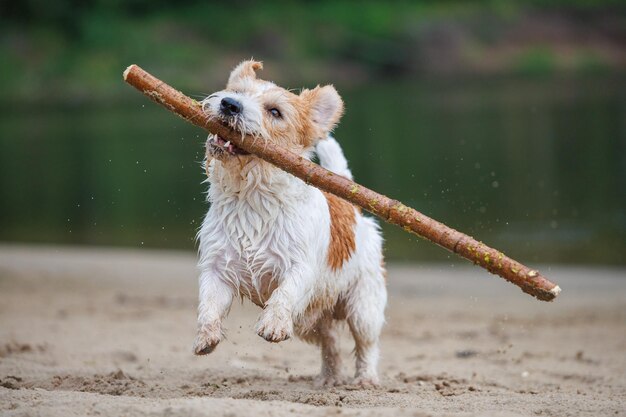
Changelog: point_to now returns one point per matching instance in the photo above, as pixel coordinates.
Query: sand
(109, 332)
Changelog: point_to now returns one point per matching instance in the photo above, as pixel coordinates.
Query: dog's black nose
(230, 107)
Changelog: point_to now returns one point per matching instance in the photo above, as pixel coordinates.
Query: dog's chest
(259, 231)
(259, 245)
(254, 231)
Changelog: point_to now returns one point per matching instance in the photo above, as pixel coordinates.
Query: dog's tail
(331, 157)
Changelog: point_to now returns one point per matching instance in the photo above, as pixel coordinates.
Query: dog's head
(263, 109)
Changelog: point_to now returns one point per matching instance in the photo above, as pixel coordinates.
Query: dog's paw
(366, 382)
(207, 338)
(327, 381)
(274, 326)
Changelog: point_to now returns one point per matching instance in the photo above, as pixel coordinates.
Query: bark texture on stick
(392, 211)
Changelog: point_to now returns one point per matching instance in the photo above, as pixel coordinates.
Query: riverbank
(109, 332)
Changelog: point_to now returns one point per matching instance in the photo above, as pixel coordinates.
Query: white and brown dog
(308, 258)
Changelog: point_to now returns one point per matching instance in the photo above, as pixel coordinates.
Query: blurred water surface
(533, 166)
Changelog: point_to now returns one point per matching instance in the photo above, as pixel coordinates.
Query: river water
(534, 167)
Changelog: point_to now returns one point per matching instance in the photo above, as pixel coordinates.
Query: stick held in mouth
(392, 211)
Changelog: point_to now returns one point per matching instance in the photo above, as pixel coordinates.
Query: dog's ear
(325, 106)
(246, 69)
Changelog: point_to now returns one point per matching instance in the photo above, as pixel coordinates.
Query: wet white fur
(266, 237)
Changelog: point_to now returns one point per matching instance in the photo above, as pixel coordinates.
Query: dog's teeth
(227, 144)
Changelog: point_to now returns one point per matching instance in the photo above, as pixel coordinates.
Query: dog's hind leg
(216, 297)
(320, 328)
(331, 359)
(366, 316)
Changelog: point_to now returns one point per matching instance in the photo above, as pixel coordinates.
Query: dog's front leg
(216, 296)
(288, 300)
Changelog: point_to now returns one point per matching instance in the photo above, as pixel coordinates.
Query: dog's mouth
(218, 145)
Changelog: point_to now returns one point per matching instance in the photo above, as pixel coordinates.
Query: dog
(309, 259)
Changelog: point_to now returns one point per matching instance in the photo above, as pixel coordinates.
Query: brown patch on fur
(342, 238)
(340, 311)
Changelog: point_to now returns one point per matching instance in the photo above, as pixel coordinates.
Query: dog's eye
(275, 112)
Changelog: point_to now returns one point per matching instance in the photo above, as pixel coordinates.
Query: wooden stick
(392, 211)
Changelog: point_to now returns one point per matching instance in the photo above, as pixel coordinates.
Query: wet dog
(309, 259)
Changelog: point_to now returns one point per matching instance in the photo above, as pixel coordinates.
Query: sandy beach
(109, 332)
